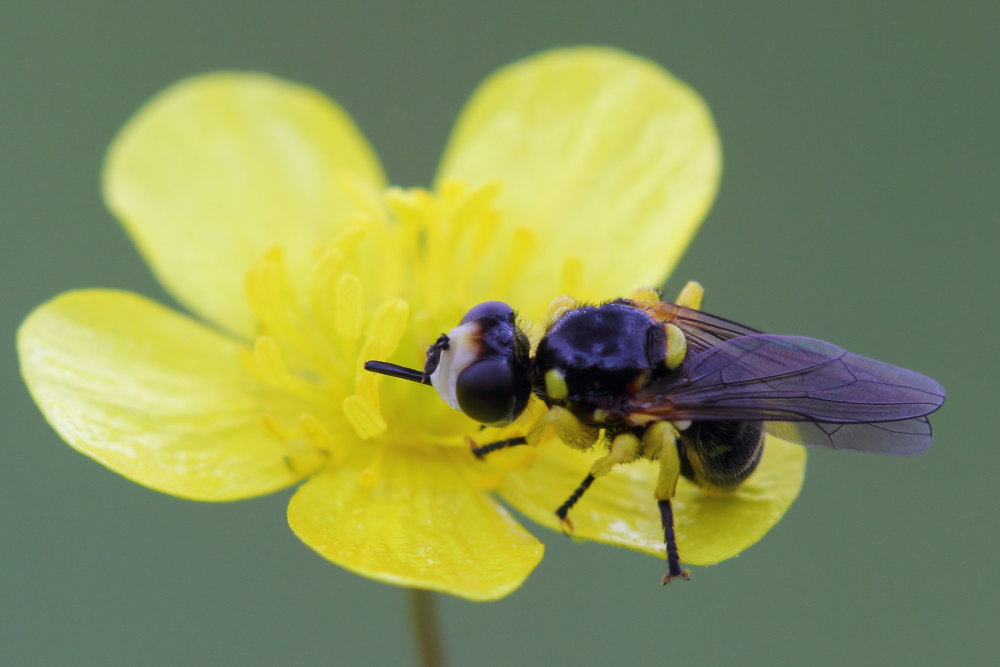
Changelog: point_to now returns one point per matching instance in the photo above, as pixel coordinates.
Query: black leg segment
(482, 450)
(564, 509)
(673, 558)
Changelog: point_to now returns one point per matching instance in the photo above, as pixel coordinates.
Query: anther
(271, 426)
(691, 295)
(371, 476)
(363, 417)
(572, 275)
(269, 363)
(359, 191)
(559, 307)
(521, 249)
(473, 203)
(645, 293)
(348, 306)
(317, 434)
(352, 231)
(387, 325)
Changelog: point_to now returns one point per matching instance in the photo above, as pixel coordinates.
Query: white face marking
(464, 347)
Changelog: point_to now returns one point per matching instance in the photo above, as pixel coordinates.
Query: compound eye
(486, 393)
(488, 309)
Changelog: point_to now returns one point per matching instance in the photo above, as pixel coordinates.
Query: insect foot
(684, 574)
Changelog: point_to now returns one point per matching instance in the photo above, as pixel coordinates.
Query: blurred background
(859, 204)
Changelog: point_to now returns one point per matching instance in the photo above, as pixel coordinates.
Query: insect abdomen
(720, 454)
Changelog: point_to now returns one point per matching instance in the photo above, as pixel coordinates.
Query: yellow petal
(218, 168)
(421, 524)
(153, 395)
(604, 155)
(620, 509)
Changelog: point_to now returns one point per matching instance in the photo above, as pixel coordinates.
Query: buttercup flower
(262, 209)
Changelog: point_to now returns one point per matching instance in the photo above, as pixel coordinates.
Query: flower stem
(424, 625)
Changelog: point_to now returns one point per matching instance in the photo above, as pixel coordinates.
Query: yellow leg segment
(664, 436)
(624, 449)
(568, 428)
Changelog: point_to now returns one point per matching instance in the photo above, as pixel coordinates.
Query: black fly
(664, 382)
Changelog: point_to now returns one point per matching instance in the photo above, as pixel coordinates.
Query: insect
(670, 383)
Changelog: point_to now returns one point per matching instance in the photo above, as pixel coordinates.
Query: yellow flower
(262, 209)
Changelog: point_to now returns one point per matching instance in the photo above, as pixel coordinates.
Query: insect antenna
(393, 370)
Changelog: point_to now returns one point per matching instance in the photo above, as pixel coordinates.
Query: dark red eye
(486, 391)
(488, 309)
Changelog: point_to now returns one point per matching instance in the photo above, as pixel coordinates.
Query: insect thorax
(604, 354)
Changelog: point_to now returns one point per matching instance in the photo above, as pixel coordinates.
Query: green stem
(424, 625)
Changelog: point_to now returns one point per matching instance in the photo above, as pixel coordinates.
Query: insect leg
(664, 436)
(624, 449)
(570, 430)
(480, 451)
(674, 569)
(563, 510)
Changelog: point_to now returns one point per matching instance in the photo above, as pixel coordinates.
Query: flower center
(395, 277)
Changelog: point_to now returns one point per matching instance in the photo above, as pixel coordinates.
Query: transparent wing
(907, 437)
(833, 397)
(703, 330)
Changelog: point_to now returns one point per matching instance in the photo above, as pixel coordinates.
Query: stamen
(279, 311)
(359, 192)
(691, 295)
(521, 248)
(366, 383)
(645, 293)
(321, 290)
(303, 457)
(387, 326)
(271, 426)
(364, 418)
(408, 206)
(269, 363)
(474, 205)
(558, 307)
(371, 476)
(269, 366)
(572, 275)
(482, 235)
(321, 439)
(450, 192)
(348, 306)
(351, 232)
(263, 291)
(414, 210)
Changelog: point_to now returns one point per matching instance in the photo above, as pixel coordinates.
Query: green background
(859, 204)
